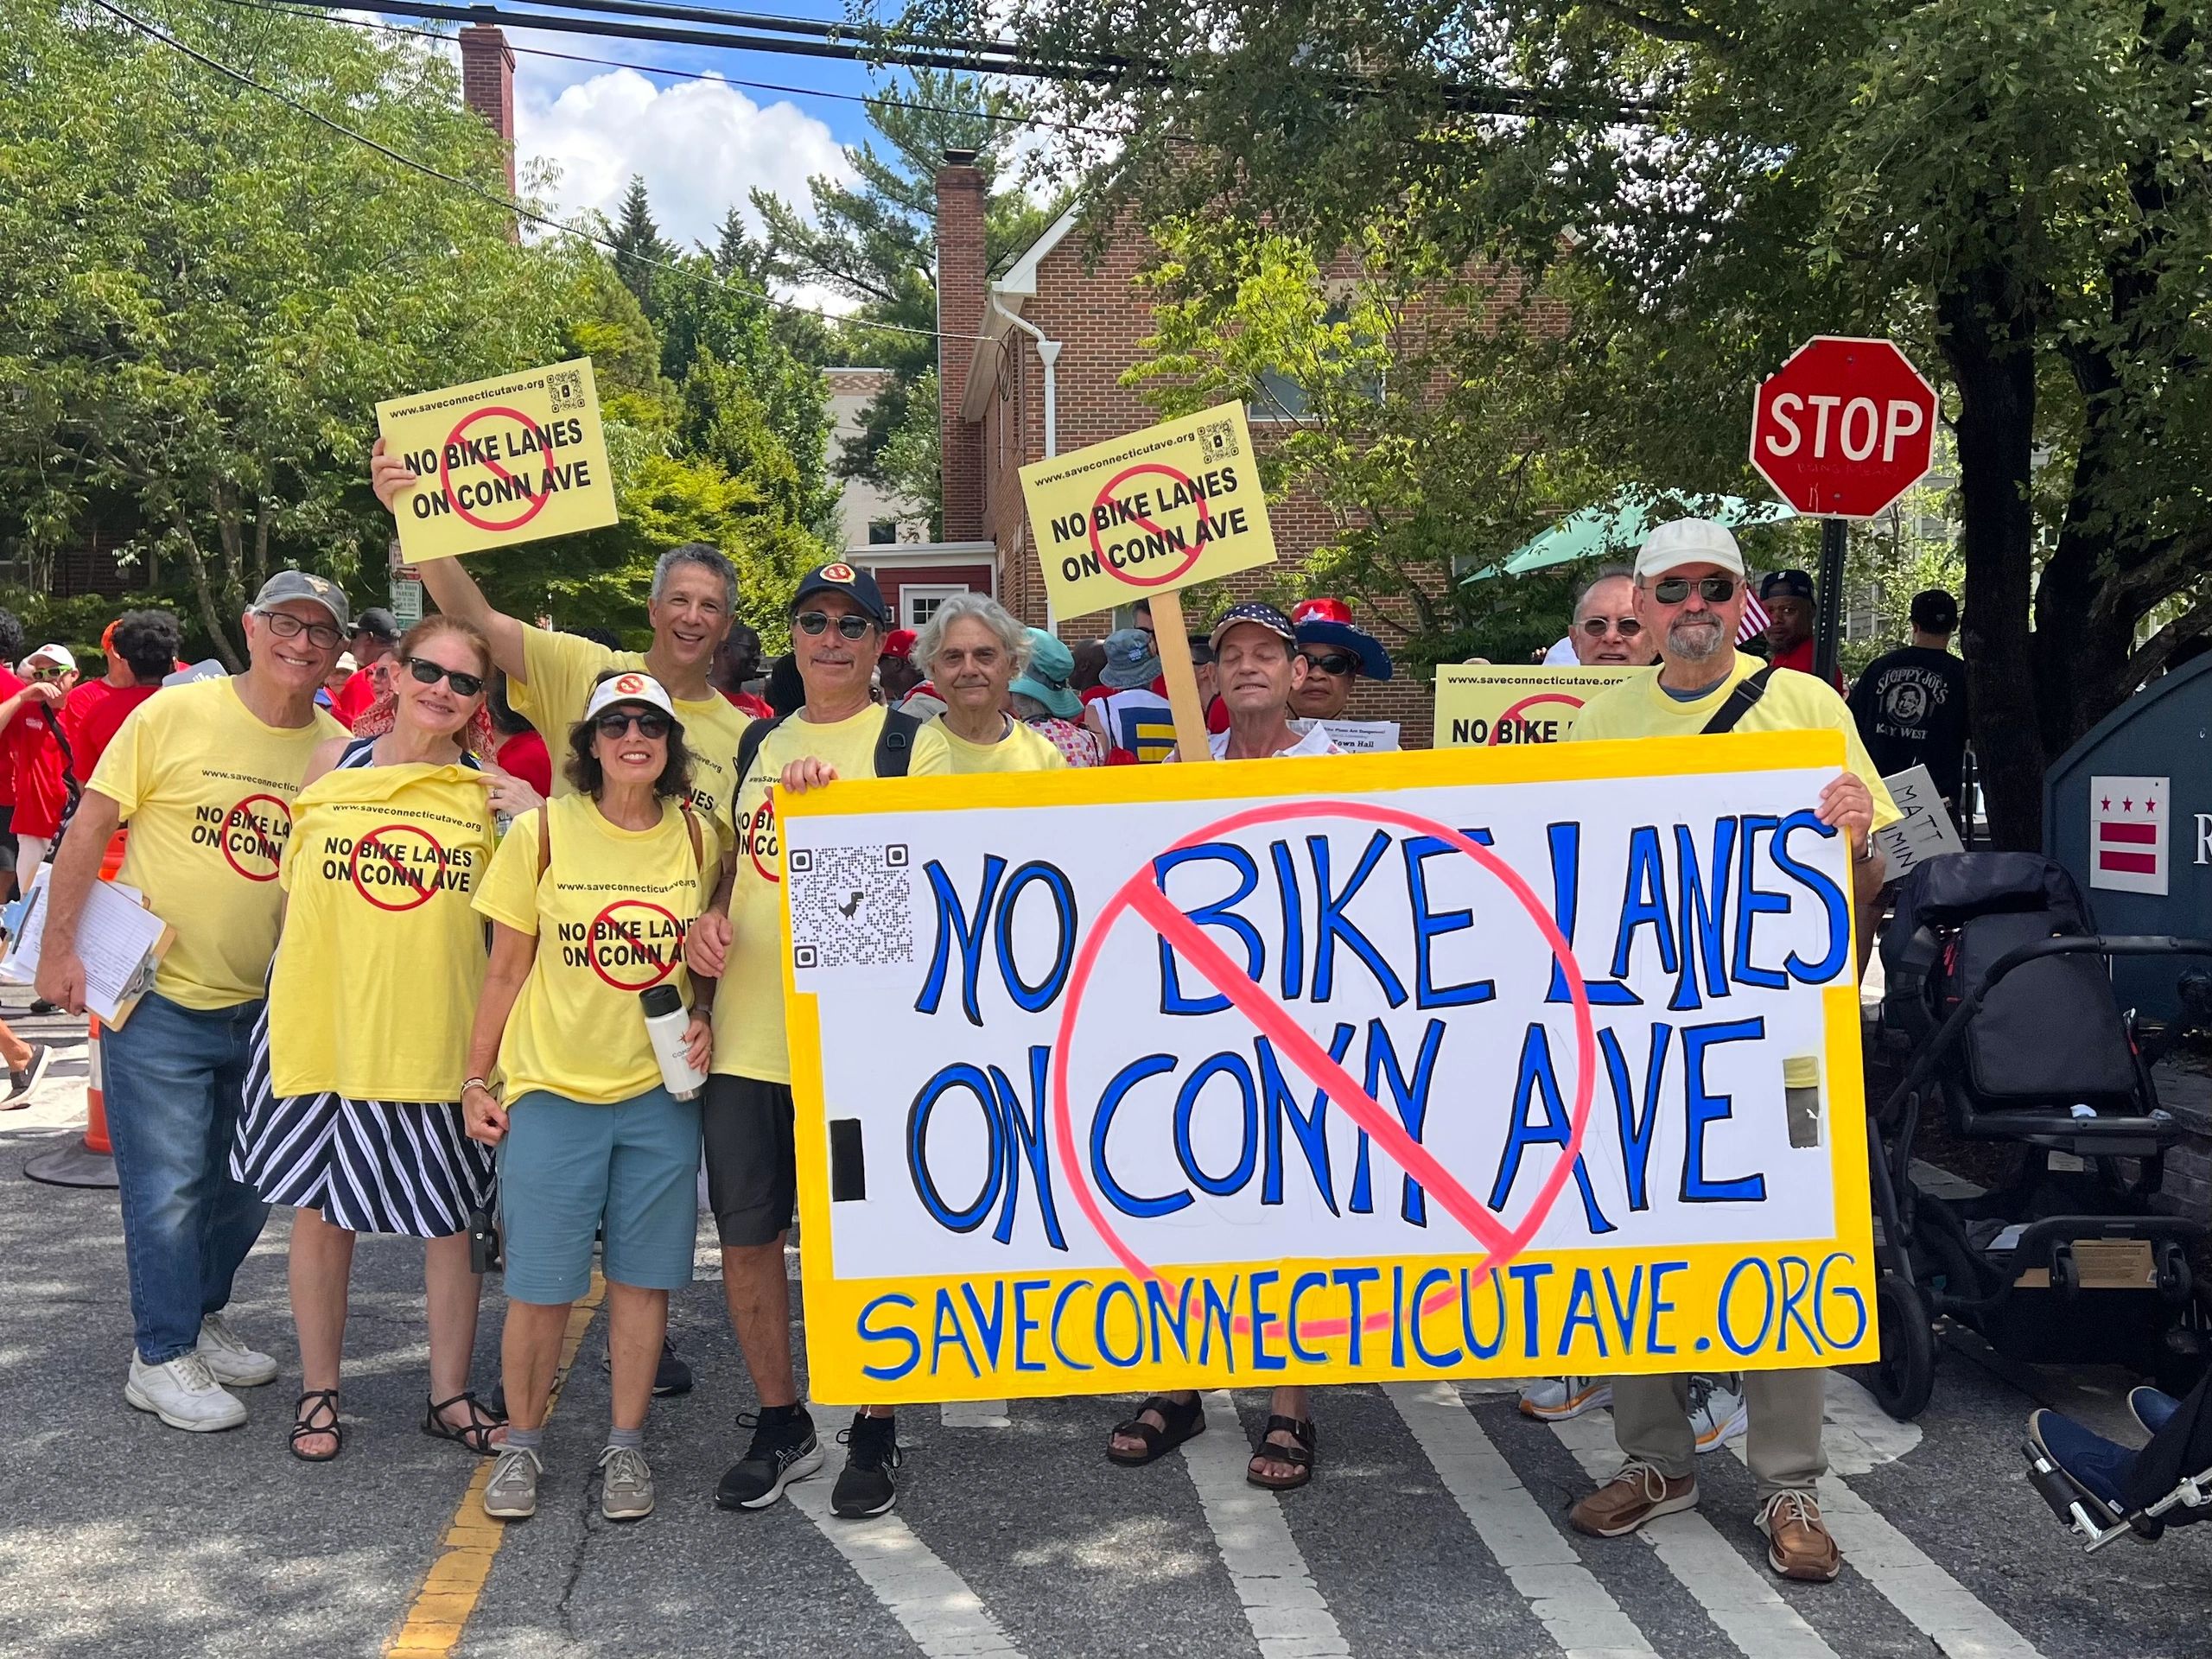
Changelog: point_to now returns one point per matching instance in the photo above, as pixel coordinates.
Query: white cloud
(701, 146)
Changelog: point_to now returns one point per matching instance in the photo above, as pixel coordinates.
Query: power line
(155, 32)
(873, 99)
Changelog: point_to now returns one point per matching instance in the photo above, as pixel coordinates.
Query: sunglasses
(1673, 590)
(285, 626)
(1337, 663)
(615, 723)
(817, 622)
(427, 672)
(1627, 627)
(49, 672)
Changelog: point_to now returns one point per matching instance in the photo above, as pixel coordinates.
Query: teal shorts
(569, 1171)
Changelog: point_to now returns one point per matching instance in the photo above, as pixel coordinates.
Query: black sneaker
(864, 1487)
(781, 1453)
(22, 1079)
(673, 1376)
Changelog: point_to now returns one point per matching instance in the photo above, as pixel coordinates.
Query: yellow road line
(450, 1589)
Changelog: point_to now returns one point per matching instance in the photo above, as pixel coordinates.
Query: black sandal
(1300, 1457)
(1185, 1420)
(325, 1399)
(475, 1433)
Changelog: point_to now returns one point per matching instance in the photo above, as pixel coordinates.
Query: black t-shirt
(1911, 709)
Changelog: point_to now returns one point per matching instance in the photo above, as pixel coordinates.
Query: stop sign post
(1841, 431)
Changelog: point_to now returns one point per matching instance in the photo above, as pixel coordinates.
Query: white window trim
(908, 595)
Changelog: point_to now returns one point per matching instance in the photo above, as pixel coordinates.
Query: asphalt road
(1436, 1525)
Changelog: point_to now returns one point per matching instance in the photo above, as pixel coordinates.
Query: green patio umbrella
(1617, 526)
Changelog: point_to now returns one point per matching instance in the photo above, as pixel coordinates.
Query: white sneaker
(230, 1360)
(1555, 1399)
(1718, 1413)
(183, 1394)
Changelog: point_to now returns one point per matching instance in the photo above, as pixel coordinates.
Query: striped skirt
(369, 1165)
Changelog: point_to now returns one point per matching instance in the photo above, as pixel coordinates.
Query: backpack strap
(895, 744)
(692, 823)
(749, 749)
(1747, 692)
(544, 839)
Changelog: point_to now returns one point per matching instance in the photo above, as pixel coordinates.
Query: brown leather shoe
(1799, 1544)
(1629, 1499)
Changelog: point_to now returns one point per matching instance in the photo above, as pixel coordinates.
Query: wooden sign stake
(1172, 637)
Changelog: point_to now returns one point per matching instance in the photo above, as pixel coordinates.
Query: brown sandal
(1300, 1457)
(325, 1399)
(475, 1433)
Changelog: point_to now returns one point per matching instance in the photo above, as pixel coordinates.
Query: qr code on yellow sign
(1218, 441)
(851, 908)
(564, 390)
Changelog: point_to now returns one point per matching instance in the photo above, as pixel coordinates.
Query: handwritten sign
(1926, 831)
(1328, 1070)
(1150, 513)
(1478, 705)
(515, 459)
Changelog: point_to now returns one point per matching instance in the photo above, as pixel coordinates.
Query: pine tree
(638, 243)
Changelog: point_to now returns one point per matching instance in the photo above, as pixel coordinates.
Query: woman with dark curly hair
(590, 901)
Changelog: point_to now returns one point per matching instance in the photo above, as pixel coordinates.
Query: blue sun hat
(1326, 624)
(1052, 665)
(1131, 660)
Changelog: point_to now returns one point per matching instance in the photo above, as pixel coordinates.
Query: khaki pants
(1651, 1421)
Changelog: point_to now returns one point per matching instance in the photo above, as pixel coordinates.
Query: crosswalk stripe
(1289, 1618)
(1735, 1595)
(974, 1413)
(1577, 1610)
(946, 1619)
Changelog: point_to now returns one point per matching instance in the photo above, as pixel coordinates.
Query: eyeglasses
(285, 626)
(1627, 627)
(429, 673)
(1673, 590)
(47, 672)
(849, 625)
(615, 723)
(1337, 663)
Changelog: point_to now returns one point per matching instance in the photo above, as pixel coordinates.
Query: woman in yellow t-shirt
(974, 650)
(351, 1109)
(590, 900)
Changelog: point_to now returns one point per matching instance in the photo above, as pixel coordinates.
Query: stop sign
(1845, 428)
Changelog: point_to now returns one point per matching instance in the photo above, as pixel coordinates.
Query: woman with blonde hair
(353, 1111)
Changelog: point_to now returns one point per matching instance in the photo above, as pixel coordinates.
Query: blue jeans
(174, 1078)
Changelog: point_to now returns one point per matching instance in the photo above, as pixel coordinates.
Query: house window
(882, 533)
(918, 605)
(1281, 398)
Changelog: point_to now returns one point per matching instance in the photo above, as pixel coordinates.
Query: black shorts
(752, 1167)
(7, 839)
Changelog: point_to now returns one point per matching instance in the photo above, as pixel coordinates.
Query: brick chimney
(960, 278)
(487, 84)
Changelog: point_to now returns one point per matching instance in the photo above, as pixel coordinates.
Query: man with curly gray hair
(973, 649)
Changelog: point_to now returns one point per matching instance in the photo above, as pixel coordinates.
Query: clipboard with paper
(120, 942)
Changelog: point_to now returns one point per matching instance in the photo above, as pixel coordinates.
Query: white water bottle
(666, 1021)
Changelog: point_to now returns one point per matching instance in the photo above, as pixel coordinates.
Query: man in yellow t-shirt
(973, 650)
(204, 774)
(838, 622)
(550, 675)
(1690, 598)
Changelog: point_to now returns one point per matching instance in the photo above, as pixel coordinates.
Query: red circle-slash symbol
(1190, 553)
(535, 503)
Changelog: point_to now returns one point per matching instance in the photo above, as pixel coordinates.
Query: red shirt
(42, 780)
(525, 755)
(92, 715)
(746, 703)
(1800, 657)
(10, 685)
(355, 696)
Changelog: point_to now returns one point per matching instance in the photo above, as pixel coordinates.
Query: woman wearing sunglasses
(589, 900)
(352, 1109)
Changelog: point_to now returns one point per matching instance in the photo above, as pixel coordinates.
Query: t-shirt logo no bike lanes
(251, 834)
(632, 945)
(762, 844)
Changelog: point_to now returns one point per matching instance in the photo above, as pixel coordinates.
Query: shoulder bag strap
(895, 744)
(1747, 692)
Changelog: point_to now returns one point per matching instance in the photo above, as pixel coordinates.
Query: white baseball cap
(58, 655)
(1688, 541)
(632, 685)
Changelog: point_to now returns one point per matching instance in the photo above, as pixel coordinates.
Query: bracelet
(467, 1083)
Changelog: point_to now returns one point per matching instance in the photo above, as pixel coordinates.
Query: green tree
(639, 245)
(203, 294)
(2019, 191)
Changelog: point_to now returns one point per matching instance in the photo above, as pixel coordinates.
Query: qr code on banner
(565, 390)
(851, 908)
(1217, 440)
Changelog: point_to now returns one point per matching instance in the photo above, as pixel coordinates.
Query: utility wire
(154, 31)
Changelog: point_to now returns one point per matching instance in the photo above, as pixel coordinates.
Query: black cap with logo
(839, 577)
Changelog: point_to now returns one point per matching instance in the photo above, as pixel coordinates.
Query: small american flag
(1755, 619)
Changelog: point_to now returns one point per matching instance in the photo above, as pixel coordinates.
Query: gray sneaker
(626, 1484)
(511, 1493)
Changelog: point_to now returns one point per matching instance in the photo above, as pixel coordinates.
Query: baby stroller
(1999, 993)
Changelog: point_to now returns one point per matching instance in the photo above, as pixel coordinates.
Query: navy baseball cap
(1786, 584)
(1935, 611)
(839, 577)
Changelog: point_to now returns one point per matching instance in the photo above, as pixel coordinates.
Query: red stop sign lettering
(1845, 428)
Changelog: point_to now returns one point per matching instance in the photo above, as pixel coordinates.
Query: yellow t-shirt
(559, 671)
(207, 791)
(609, 915)
(1020, 750)
(1639, 707)
(749, 1040)
(381, 964)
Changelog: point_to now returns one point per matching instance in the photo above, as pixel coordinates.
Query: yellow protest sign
(1148, 514)
(514, 459)
(1531, 1060)
(1480, 705)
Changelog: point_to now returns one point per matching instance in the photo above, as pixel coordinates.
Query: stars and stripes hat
(1252, 611)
